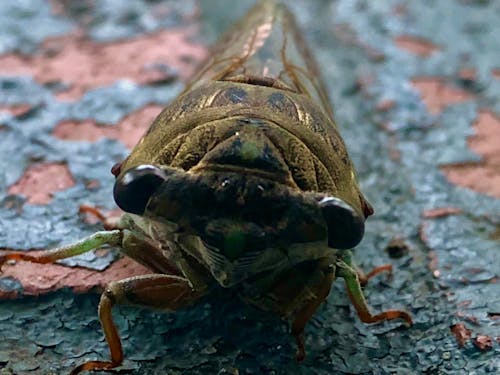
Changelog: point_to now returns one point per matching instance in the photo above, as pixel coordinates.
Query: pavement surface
(416, 89)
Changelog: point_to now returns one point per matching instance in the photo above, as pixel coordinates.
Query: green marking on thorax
(234, 243)
(250, 151)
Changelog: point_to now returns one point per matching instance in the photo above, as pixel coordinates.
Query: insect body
(243, 182)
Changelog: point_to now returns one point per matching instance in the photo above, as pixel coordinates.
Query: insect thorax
(246, 165)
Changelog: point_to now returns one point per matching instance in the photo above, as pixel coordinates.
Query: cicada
(242, 183)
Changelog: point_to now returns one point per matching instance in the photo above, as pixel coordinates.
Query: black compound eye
(345, 226)
(133, 190)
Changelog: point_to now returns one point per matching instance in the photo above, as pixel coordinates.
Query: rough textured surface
(482, 176)
(79, 65)
(399, 74)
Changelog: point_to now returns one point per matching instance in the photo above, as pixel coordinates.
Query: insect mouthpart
(229, 272)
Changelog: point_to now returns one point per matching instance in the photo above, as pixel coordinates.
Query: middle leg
(353, 285)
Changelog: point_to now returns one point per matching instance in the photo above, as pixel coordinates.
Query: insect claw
(407, 318)
(300, 354)
(109, 223)
(94, 366)
(364, 278)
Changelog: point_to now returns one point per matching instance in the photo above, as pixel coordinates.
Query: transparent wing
(265, 48)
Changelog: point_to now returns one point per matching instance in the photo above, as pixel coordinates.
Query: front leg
(296, 294)
(362, 276)
(134, 245)
(353, 285)
(321, 290)
(164, 292)
(95, 241)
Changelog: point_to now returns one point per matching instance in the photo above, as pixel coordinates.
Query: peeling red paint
(441, 212)
(93, 184)
(487, 128)
(437, 95)
(16, 109)
(468, 73)
(93, 215)
(129, 130)
(462, 333)
(38, 279)
(385, 105)
(40, 181)
(483, 342)
(484, 176)
(83, 64)
(416, 45)
(57, 7)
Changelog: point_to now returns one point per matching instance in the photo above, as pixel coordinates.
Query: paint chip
(129, 130)
(483, 176)
(462, 333)
(16, 110)
(385, 105)
(441, 212)
(437, 95)
(82, 64)
(418, 46)
(37, 279)
(40, 181)
(483, 342)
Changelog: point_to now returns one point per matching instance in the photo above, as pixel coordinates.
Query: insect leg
(357, 298)
(109, 223)
(321, 291)
(165, 292)
(146, 252)
(96, 240)
(364, 277)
